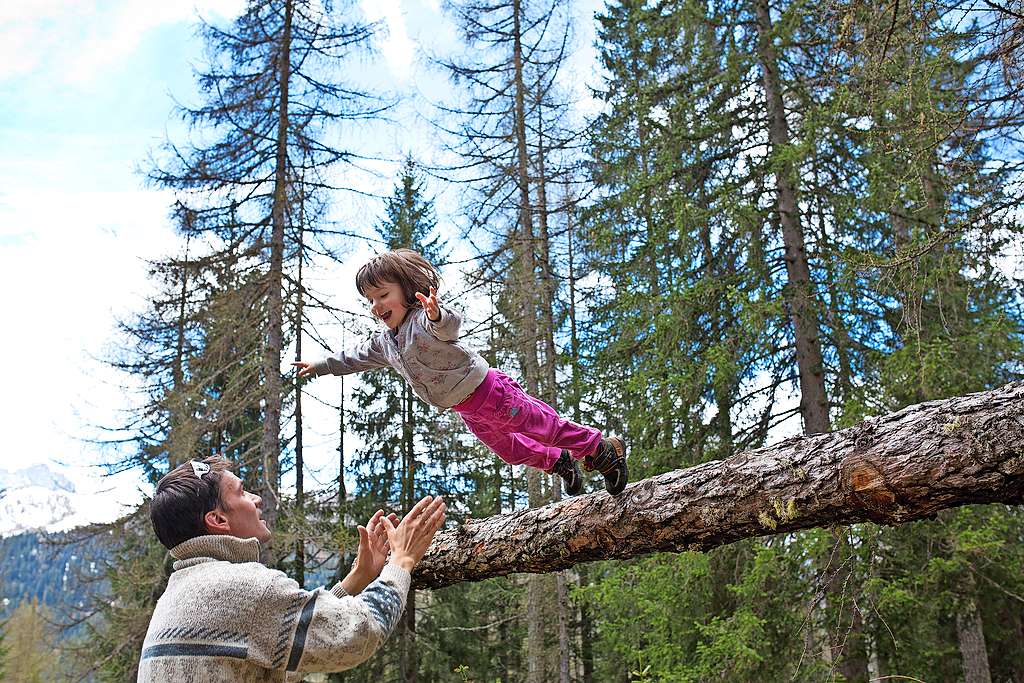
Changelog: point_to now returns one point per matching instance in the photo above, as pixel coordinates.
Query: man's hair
(182, 499)
(405, 267)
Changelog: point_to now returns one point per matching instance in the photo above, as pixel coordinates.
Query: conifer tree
(30, 644)
(272, 94)
(840, 175)
(514, 51)
(411, 449)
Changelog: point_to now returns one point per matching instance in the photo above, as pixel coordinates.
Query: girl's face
(387, 303)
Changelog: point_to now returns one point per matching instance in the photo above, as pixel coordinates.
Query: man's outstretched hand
(410, 539)
(371, 556)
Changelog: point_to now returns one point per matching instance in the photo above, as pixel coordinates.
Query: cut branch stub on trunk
(890, 470)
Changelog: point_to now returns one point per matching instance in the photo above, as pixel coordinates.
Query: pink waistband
(479, 395)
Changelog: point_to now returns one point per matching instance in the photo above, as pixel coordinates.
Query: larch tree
(273, 95)
(513, 52)
(30, 640)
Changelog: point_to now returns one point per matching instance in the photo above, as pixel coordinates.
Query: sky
(87, 91)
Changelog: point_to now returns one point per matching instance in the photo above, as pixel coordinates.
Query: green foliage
(676, 617)
(135, 571)
(908, 210)
(902, 213)
(29, 638)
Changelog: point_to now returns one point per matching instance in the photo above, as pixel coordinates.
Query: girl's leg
(538, 422)
(515, 449)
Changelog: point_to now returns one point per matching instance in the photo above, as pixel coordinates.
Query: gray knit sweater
(426, 353)
(225, 617)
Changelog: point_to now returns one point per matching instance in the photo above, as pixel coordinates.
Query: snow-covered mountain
(41, 498)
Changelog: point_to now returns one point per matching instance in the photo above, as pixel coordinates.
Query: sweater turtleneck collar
(215, 547)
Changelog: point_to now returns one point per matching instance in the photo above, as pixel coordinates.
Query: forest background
(701, 225)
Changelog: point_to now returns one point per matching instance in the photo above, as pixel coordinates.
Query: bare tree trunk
(175, 454)
(800, 298)
(535, 594)
(585, 626)
(889, 470)
(847, 635)
(408, 663)
(342, 495)
(971, 634)
(547, 312)
(527, 274)
(547, 280)
(269, 446)
(799, 293)
(1017, 624)
(300, 543)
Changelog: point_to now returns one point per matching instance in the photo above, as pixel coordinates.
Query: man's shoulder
(219, 579)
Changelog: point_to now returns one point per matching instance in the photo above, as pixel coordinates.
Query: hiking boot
(610, 460)
(569, 470)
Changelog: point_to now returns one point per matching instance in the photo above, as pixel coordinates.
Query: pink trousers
(521, 429)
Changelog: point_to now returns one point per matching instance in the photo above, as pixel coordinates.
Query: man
(226, 617)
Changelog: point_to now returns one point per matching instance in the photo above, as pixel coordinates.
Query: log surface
(891, 469)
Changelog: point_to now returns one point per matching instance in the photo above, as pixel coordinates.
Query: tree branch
(890, 470)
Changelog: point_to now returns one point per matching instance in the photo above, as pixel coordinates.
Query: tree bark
(300, 494)
(799, 291)
(342, 494)
(889, 470)
(971, 635)
(536, 593)
(270, 445)
(409, 659)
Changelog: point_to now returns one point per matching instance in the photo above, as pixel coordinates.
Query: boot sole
(619, 445)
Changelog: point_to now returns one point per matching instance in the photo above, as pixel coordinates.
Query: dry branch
(890, 470)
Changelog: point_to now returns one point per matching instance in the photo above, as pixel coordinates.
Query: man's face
(243, 510)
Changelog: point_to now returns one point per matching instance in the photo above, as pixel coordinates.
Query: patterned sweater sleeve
(366, 356)
(446, 328)
(328, 630)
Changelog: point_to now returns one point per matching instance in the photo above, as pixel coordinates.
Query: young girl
(421, 342)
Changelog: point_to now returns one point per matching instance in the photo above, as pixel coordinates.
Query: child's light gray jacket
(225, 617)
(427, 354)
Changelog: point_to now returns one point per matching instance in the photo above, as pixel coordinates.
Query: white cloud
(396, 47)
(76, 261)
(73, 42)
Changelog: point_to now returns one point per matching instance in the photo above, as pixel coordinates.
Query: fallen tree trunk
(889, 470)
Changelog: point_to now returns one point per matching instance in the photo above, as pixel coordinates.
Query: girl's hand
(305, 369)
(430, 305)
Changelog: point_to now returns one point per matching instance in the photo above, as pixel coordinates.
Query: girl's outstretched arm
(305, 369)
(441, 322)
(430, 305)
(366, 356)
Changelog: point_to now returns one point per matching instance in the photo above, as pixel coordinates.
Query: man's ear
(216, 522)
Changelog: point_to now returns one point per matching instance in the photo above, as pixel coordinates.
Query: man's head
(205, 497)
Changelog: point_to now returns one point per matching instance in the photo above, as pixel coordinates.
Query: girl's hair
(405, 267)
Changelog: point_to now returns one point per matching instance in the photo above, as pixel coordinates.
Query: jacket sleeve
(366, 356)
(445, 329)
(328, 630)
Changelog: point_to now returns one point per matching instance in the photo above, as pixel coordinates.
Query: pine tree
(514, 52)
(848, 225)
